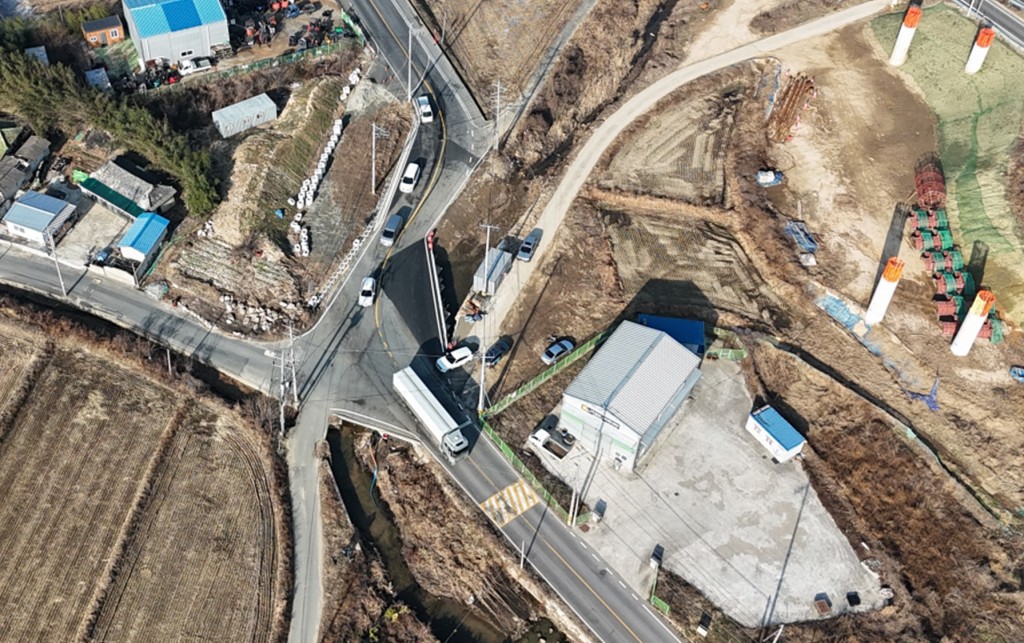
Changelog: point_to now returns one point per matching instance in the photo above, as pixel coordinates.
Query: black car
(497, 351)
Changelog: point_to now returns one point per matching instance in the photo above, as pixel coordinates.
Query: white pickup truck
(194, 66)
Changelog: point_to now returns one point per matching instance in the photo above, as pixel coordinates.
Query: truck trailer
(443, 430)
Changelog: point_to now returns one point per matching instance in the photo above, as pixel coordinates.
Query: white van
(391, 230)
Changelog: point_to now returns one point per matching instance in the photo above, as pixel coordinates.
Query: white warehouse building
(628, 392)
(175, 30)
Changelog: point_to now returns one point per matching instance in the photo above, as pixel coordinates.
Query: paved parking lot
(738, 527)
(96, 229)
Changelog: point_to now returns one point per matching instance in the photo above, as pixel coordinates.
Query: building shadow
(893, 238)
(672, 298)
(976, 264)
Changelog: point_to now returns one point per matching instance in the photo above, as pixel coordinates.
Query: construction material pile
(932, 238)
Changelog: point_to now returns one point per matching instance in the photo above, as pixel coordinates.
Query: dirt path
(591, 153)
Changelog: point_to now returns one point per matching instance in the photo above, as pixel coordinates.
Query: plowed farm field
(200, 544)
(132, 510)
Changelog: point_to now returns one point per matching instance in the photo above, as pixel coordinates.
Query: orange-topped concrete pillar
(907, 30)
(982, 43)
(975, 319)
(884, 291)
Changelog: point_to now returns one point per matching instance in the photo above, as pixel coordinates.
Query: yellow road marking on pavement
(510, 502)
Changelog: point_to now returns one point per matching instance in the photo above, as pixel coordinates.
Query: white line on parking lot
(595, 557)
(623, 584)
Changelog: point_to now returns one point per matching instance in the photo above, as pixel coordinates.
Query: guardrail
(373, 221)
(555, 369)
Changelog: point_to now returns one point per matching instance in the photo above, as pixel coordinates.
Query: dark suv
(497, 351)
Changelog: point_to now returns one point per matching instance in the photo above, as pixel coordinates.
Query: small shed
(688, 332)
(37, 217)
(9, 135)
(33, 152)
(38, 53)
(775, 433)
(488, 278)
(13, 176)
(142, 241)
(104, 31)
(99, 79)
(244, 115)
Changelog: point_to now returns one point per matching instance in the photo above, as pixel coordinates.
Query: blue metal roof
(144, 233)
(778, 427)
(688, 332)
(158, 17)
(35, 211)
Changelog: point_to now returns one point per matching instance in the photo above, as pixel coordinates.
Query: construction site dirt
(848, 159)
(173, 522)
(241, 270)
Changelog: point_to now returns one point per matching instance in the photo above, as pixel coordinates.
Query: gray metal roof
(137, 189)
(635, 375)
(33, 149)
(102, 24)
(251, 110)
(12, 177)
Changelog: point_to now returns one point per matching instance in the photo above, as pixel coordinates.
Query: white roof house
(628, 392)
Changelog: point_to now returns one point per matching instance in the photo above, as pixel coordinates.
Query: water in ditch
(448, 620)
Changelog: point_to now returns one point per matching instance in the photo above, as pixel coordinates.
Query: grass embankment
(979, 120)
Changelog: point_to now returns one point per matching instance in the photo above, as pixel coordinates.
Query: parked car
(412, 174)
(557, 351)
(194, 66)
(367, 292)
(454, 359)
(497, 351)
(529, 245)
(391, 230)
(426, 113)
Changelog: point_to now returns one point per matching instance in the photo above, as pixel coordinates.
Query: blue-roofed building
(688, 332)
(141, 243)
(775, 433)
(175, 30)
(37, 217)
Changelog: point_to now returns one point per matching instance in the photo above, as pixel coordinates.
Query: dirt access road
(591, 153)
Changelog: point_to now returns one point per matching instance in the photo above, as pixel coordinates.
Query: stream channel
(449, 621)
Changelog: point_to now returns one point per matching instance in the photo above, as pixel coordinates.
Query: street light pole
(56, 263)
(408, 76)
(483, 320)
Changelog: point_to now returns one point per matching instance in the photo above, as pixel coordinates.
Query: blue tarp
(688, 332)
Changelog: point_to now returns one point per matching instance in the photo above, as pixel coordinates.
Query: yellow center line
(586, 584)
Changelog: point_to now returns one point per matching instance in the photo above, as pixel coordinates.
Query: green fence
(555, 369)
(258, 65)
(527, 475)
(658, 604)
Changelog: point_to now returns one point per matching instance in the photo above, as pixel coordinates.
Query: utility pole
(483, 320)
(169, 372)
(497, 114)
(522, 555)
(53, 252)
(408, 76)
(383, 133)
(280, 401)
(291, 365)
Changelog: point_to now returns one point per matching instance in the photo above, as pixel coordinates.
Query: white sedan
(412, 174)
(426, 114)
(367, 292)
(454, 359)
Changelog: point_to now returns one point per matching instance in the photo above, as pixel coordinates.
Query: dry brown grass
(207, 527)
(70, 472)
(114, 454)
